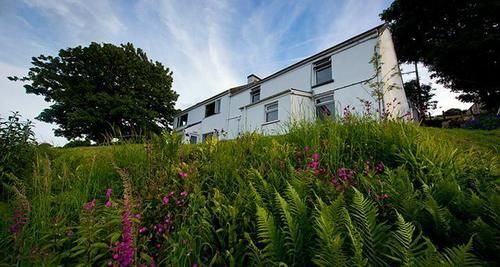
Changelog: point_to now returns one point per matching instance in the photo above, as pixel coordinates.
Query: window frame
(267, 111)
(180, 120)
(205, 136)
(330, 100)
(195, 139)
(255, 92)
(320, 65)
(216, 104)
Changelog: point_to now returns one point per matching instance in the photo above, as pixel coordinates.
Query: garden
(330, 193)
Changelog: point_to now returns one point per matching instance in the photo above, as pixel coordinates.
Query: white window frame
(255, 92)
(321, 65)
(271, 107)
(216, 108)
(329, 98)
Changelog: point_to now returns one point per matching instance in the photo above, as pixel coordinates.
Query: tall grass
(412, 198)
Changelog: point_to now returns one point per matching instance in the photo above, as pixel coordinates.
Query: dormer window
(323, 71)
(183, 120)
(255, 95)
(212, 108)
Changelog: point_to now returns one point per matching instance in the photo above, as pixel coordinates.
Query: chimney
(252, 78)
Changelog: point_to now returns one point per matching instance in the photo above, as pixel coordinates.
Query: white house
(321, 85)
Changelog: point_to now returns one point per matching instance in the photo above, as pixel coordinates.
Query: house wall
(351, 68)
(394, 95)
(254, 119)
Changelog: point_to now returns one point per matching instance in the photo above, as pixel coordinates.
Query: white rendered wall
(254, 117)
(391, 76)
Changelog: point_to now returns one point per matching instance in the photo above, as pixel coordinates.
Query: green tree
(420, 96)
(458, 40)
(102, 90)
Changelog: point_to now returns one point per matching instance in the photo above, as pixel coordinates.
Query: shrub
(17, 146)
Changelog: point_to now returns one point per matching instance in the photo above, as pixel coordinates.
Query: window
(207, 136)
(325, 107)
(255, 95)
(193, 139)
(183, 120)
(323, 71)
(212, 108)
(271, 112)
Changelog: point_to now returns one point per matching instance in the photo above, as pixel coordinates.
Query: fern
(290, 228)
(356, 240)
(404, 247)
(329, 231)
(373, 234)
(269, 234)
(460, 256)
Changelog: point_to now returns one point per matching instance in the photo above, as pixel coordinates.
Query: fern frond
(374, 235)
(290, 227)
(460, 255)
(329, 251)
(269, 234)
(355, 238)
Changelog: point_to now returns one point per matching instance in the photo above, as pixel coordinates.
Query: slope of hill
(326, 194)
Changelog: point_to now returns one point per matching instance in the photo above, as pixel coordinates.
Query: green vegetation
(349, 193)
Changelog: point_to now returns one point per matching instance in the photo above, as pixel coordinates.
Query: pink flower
(183, 174)
(195, 265)
(90, 205)
(315, 157)
(166, 200)
(170, 194)
(307, 148)
(184, 194)
(142, 230)
(108, 192)
(108, 204)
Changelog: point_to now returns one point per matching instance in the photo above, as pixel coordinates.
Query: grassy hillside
(326, 194)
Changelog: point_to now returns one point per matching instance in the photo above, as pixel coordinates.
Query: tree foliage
(102, 90)
(420, 96)
(458, 40)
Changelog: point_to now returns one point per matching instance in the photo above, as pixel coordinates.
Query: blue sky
(210, 45)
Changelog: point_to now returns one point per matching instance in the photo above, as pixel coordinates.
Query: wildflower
(315, 157)
(184, 194)
(125, 250)
(195, 265)
(166, 200)
(142, 230)
(108, 192)
(90, 205)
(157, 245)
(379, 168)
(183, 174)
(108, 204)
(137, 216)
(170, 194)
(307, 148)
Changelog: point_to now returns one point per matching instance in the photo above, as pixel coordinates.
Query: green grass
(486, 140)
(257, 200)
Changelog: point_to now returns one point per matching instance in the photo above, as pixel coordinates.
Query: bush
(78, 143)
(484, 122)
(17, 146)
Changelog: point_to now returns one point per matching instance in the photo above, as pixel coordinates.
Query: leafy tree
(458, 40)
(420, 96)
(102, 90)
